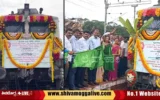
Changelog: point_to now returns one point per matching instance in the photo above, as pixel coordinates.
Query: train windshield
(39, 27)
(155, 25)
(14, 27)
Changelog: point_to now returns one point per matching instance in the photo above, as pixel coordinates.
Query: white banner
(151, 50)
(26, 52)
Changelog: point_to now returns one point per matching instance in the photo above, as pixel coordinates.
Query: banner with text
(79, 95)
(151, 50)
(26, 52)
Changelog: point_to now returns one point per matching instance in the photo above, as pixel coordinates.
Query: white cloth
(107, 33)
(122, 42)
(112, 42)
(82, 45)
(68, 46)
(74, 41)
(125, 46)
(94, 42)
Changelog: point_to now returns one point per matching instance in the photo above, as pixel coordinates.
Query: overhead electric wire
(78, 5)
(85, 1)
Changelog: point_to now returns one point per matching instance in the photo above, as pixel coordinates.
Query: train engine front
(29, 30)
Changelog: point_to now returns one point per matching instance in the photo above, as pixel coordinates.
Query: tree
(89, 25)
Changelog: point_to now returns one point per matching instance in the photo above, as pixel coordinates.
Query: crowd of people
(114, 45)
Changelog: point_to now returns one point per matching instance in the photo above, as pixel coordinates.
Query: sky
(50, 7)
(94, 9)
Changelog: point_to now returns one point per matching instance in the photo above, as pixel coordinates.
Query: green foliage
(135, 24)
(130, 28)
(89, 25)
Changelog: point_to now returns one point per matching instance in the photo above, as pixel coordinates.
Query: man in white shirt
(82, 45)
(68, 47)
(72, 71)
(94, 42)
(123, 58)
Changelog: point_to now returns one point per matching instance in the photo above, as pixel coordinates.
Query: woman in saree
(108, 57)
(112, 75)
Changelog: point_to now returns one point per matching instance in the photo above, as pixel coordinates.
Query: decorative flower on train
(130, 56)
(140, 13)
(52, 26)
(150, 37)
(151, 12)
(34, 18)
(157, 12)
(158, 82)
(145, 12)
(131, 77)
(2, 26)
(40, 35)
(41, 18)
(38, 18)
(1, 18)
(50, 18)
(45, 18)
(16, 36)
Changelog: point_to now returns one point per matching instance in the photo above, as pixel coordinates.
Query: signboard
(151, 50)
(26, 52)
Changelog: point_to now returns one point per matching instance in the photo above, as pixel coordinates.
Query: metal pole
(106, 8)
(135, 10)
(105, 17)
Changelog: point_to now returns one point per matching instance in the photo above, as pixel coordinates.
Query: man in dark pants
(82, 45)
(94, 42)
(72, 71)
(68, 63)
(123, 64)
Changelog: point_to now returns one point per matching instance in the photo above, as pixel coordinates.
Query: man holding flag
(82, 45)
(94, 42)
(68, 53)
(72, 71)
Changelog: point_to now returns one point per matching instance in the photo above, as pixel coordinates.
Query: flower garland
(135, 56)
(35, 18)
(58, 42)
(51, 60)
(1, 18)
(2, 48)
(13, 18)
(144, 62)
(2, 25)
(26, 66)
(140, 35)
(52, 26)
(130, 40)
(158, 82)
(37, 36)
(150, 37)
(45, 18)
(18, 36)
(140, 13)
(155, 12)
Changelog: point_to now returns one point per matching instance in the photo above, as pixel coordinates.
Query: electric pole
(136, 5)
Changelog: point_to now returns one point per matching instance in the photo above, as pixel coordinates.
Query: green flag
(89, 59)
